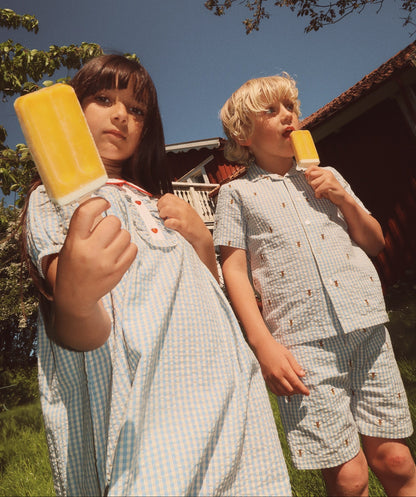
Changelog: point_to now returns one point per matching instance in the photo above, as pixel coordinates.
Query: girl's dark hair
(148, 166)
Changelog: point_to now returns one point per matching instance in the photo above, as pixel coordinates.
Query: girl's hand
(178, 215)
(325, 184)
(93, 259)
(280, 369)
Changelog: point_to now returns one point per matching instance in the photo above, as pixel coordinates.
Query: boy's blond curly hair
(239, 112)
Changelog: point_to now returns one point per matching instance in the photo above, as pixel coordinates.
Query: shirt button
(307, 221)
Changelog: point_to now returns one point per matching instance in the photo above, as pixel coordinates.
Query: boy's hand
(280, 369)
(93, 259)
(325, 184)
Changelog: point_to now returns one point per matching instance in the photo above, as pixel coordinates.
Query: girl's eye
(137, 112)
(102, 99)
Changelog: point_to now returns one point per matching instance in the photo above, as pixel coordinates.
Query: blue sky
(197, 59)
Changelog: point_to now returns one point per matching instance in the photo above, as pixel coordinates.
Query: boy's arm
(280, 369)
(178, 215)
(363, 228)
(93, 259)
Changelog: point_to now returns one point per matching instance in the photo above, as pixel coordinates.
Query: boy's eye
(290, 106)
(271, 110)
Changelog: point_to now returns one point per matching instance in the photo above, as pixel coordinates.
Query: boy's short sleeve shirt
(309, 273)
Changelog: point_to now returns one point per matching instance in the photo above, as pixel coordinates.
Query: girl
(147, 385)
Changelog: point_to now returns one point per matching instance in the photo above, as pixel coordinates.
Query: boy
(301, 239)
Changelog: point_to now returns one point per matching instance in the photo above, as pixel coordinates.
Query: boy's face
(270, 143)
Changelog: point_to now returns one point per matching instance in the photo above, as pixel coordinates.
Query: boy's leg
(349, 479)
(393, 465)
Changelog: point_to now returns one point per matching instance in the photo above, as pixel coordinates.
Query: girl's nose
(119, 111)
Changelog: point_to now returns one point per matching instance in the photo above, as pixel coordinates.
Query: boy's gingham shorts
(355, 387)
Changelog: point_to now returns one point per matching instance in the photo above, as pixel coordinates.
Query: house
(368, 133)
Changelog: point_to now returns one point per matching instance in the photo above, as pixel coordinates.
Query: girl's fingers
(85, 216)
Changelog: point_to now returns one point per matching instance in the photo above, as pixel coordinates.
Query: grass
(24, 461)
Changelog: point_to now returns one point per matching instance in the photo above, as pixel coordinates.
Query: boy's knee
(396, 462)
(350, 478)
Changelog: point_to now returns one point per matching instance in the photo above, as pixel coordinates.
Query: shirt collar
(257, 173)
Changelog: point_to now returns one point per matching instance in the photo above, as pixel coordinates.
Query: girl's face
(270, 143)
(116, 121)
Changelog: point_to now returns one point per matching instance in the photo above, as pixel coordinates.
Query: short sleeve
(46, 226)
(230, 225)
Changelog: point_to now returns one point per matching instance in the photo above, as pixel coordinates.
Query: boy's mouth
(287, 131)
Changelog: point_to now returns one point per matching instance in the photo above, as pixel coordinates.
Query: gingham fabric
(299, 252)
(174, 402)
(355, 387)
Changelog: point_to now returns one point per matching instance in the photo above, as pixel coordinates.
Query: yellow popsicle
(304, 148)
(61, 143)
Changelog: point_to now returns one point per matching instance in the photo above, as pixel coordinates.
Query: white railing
(196, 194)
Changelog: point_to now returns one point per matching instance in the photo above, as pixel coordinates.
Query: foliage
(21, 72)
(318, 14)
(18, 308)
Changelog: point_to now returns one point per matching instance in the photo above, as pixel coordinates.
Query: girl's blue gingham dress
(174, 402)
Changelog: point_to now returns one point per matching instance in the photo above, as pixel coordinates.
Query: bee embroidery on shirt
(298, 244)
(399, 395)
(321, 343)
(346, 443)
(300, 452)
(350, 363)
(373, 375)
(380, 422)
(336, 283)
(283, 205)
(352, 393)
(318, 424)
(371, 278)
(322, 236)
(291, 322)
(282, 273)
(229, 243)
(332, 391)
(254, 193)
(366, 301)
(270, 229)
(232, 201)
(268, 302)
(309, 292)
(348, 256)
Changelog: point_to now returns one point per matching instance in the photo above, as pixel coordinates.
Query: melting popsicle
(61, 143)
(304, 148)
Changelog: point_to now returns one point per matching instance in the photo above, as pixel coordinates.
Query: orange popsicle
(61, 143)
(304, 148)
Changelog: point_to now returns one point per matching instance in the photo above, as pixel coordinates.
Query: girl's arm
(93, 259)
(363, 228)
(178, 215)
(280, 369)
